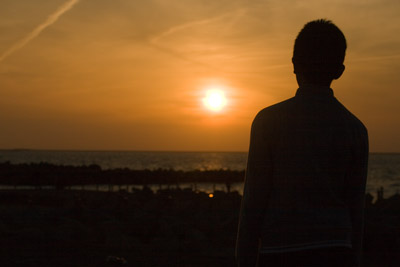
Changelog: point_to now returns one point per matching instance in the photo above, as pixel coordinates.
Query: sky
(132, 75)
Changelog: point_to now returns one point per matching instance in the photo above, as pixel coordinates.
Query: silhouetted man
(305, 181)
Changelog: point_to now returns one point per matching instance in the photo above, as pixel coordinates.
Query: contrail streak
(50, 20)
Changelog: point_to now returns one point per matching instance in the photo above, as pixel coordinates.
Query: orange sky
(131, 75)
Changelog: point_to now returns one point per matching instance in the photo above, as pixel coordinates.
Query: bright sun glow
(214, 100)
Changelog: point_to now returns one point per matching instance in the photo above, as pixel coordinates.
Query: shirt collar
(314, 90)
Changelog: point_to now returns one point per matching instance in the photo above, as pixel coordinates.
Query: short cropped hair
(319, 49)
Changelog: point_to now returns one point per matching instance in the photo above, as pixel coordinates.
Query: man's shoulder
(275, 110)
(353, 118)
(359, 123)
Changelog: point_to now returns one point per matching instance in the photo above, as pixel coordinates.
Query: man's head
(319, 52)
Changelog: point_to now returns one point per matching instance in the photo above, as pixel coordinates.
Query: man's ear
(294, 66)
(339, 72)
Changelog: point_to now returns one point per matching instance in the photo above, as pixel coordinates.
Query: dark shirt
(305, 178)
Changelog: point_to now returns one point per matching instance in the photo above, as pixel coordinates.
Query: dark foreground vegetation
(171, 227)
(168, 228)
(89, 228)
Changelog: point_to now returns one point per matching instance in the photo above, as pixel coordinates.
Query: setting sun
(214, 100)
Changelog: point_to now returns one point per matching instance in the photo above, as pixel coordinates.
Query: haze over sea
(383, 169)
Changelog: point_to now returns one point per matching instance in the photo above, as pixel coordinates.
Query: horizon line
(149, 150)
(121, 150)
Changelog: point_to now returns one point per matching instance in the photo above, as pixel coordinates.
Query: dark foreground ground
(169, 228)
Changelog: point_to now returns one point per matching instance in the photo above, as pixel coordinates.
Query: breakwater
(61, 176)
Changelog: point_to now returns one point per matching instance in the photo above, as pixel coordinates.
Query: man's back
(315, 143)
(306, 169)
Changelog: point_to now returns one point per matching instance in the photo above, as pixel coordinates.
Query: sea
(383, 168)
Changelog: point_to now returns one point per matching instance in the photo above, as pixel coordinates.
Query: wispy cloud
(49, 21)
(158, 43)
(196, 23)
